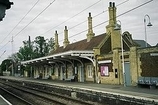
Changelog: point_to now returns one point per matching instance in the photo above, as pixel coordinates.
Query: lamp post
(4, 4)
(149, 25)
(118, 27)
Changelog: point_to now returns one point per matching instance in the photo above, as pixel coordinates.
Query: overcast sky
(50, 15)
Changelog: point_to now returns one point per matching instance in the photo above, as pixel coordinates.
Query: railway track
(42, 97)
(13, 98)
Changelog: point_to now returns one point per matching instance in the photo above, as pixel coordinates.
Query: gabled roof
(127, 38)
(82, 45)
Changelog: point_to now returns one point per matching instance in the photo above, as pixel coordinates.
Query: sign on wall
(104, 70)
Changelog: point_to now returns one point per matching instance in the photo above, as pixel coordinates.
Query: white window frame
(90, 71)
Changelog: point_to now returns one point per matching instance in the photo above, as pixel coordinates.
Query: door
(81, 73)
(62, 73)
(127, 74)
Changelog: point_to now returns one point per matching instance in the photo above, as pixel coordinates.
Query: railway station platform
(3, 101)
(135, 92)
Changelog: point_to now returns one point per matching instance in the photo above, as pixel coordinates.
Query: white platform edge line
(5, 100)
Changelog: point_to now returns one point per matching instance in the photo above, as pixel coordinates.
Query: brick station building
(110, 58)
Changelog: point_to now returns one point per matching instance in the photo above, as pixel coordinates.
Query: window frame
(90, 71)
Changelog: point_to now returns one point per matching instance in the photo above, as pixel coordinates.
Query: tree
(26, 51)
(6, 65)
(51, 44)
(31, 49)
(42, 46)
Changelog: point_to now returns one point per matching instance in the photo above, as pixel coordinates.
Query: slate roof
(81, 45)
(142, 43)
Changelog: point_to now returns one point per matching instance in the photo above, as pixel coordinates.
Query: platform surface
(3, 101)
(130, 91)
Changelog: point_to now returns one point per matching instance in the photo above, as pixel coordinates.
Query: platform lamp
(4, 5)
(118, 27)
(149, 25)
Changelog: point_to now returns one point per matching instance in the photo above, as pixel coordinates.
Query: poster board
(104, 71)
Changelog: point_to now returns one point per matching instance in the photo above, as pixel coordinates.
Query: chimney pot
(113, 4)
(65, 27)
(89, 14)
(110, 4)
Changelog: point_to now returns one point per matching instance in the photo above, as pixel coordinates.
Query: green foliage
(6, 65)
(42, 46)
(34, 49)
(30, 50)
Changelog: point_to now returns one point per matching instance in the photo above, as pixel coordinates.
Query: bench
(47, 77)
(70, 78)
(152, 82)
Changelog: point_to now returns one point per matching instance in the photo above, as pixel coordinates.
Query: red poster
(104, 71)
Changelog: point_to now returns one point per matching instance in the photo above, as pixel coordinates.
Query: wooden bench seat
(70, 78)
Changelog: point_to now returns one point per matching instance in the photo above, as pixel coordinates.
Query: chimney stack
(115, 34)
(56, 46)
(112, 13)
(90, 33)
(66, 41)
